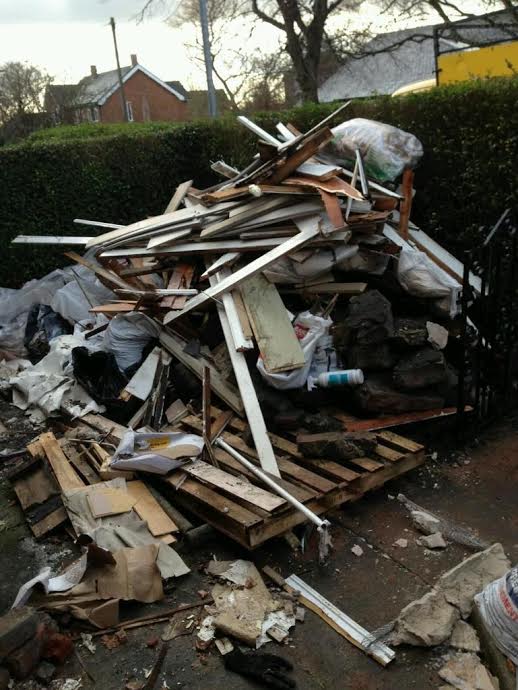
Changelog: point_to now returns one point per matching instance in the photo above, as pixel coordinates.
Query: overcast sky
(65, 37)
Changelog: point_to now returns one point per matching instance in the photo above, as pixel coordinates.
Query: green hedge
(126, 172)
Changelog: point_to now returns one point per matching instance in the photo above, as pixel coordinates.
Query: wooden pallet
(319, 484)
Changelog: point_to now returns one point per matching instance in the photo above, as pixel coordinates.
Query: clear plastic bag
(309, 330)
(421, 277)
(386, 150)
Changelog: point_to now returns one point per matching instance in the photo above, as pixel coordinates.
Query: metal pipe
(273, 485)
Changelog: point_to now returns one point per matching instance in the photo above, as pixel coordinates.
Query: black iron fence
(488, 371)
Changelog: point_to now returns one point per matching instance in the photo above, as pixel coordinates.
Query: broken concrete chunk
(402, 543)
(426, 622)
(460, 584)
(425, 522)
(433, 541)
(337, 445)
(370, 318)
(421, 370)
(437, 335)
(466, 672)
(378, 394)
(464, 637)
(357, 550)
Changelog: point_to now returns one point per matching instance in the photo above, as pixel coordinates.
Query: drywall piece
(338, 620)
(105, 501)
(466, 672)
(465, 638)
(460, 584)
(141, 382)
(425, 622)
(279, 346)
(309, 229)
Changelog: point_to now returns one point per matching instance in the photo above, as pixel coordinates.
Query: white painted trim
(128, 75)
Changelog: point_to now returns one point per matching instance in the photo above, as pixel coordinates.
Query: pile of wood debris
(233, 259)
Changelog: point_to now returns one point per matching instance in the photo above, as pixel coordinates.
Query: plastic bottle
(341, 377)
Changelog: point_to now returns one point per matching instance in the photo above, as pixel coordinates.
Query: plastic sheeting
(286, 270)
(126, 337)
(421, 277)
(49, 385)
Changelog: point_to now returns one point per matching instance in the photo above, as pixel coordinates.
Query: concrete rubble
(466, 672)
(430, 620)
(433, 541)
(464, 637)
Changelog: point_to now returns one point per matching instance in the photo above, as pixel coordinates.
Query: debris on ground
(433, 541)
(466, 672)
(464, 637)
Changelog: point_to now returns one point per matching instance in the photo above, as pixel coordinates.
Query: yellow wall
(490, 61)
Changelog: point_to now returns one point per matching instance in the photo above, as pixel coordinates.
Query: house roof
(412, 61)
(178, 86)
(97, 89)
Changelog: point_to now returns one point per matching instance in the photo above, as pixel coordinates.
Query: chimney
(93, 70)
(134, 60)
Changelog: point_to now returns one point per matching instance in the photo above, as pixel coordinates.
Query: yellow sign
(490, 61)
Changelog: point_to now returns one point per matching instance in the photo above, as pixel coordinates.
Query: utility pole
(211, 93)
(121, 84)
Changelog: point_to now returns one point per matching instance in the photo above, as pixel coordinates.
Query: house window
(129, 111)
(94, 114)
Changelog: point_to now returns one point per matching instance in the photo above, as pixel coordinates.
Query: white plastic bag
(421, 277)
(386, 150)
(286, 270)
(498, 604)
(309, 330)
(127, 335)
(155, 453)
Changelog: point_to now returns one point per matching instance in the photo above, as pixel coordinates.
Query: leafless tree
(21, 90)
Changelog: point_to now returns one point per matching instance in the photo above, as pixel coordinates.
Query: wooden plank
(66, 476)
(221, 504)
(279, 346)
(234, 485)
(405, 206)
(366, 464)
(333, 186)
(104, 425)
(240, 342)
(168, 238)
(388, 453)
(149, 510)
(226, 391)
(196, 248)
(249, 397)
(329, 468)
(333, 209)
(226, 461)
(79, 463)
(301, 155)
(34, 487)
(356, 424)
(348, 289)
(242, 315)
(106, 277)
(181, 277)
(309, 228)
(54, 519)
(178, 196)
(400, 441)
(257, 207)
(225, 260)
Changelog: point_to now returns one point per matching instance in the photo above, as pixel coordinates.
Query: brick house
(97, 98)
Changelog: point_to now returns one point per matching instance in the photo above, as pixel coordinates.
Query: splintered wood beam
(309, 229)
(308, 148)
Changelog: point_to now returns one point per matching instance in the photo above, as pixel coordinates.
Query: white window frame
(94, 113)
(129, 111)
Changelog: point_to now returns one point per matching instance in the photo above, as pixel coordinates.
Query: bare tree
(21, 90)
